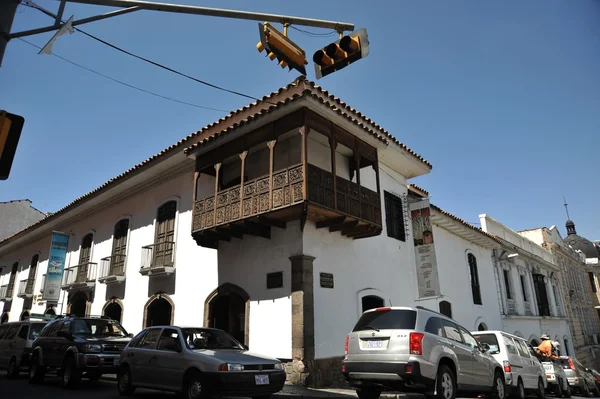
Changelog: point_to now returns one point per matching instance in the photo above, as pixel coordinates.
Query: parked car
(73, 347)
(16, 340)
(196, 362)
(523, 372)
(578, 376)
(418, 350)
(596, 376)
(557, 379)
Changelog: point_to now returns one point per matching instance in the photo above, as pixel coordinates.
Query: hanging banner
(427, 273)
(56, 266)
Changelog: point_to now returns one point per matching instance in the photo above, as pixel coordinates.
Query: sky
(503, 98)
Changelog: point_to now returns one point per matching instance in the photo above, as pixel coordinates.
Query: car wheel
(12, 371)
(70, 375)
(520, 393)
(36, 372)
(499, 390)
(567, 390)
(368, 393)
(445, 383)
(586, 390)
(124, 382)
(541, 391)
(194, 388)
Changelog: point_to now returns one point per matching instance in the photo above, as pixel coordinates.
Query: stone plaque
(326, 280)
(274, 280)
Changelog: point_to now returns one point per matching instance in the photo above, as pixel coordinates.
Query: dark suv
(72, 346)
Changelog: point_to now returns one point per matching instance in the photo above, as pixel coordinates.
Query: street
(51, 389)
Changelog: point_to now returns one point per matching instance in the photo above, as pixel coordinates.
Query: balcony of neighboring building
(112, 269)
(26, 288)
(158, 259)
(313, 171)
(6, 293)
(81, 276)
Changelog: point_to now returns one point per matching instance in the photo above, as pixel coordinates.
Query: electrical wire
(115, 47)
(124, 83)
(314, 34)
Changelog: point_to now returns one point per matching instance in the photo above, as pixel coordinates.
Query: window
(150, 339)
(451, 331)
(119, 248)
(541, 295)
(86, 248)
(489, 339)
(510, 345)
(468, 338)
(165, 234)
(12, 331)
(387, 320)
(507, 284)
(475, 288)
(592, 281)
(34, 330)
(371, 302)
(434, 326)
(32, 272)
(522, 348)
(169, 340)
(567, 347)
(446, 308)
(525, 297)
(137, 340)
(394, 216)
(23, 332)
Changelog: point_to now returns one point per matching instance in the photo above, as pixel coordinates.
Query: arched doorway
(482, 327)
(114, 310)
(227, 308)
(4, 318)
(371, 302)
(446, 308)
(158, 311)
(50, 311)
(25, 315)
(78, 304)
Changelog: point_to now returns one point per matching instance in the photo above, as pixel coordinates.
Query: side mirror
(245, 346)
(130, 335)
(485, 347)
(64, 334)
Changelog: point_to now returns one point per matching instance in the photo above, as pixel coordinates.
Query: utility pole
(8, 9)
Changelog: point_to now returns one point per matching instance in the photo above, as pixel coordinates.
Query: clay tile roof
(467, 224)
(418, 189)
(296, 89)
(306, 88)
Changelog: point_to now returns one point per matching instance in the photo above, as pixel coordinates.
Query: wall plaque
(274, 280)
(326, 280)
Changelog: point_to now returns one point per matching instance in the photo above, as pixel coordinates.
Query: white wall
(246, 263)
(196, 267)
(455, 281)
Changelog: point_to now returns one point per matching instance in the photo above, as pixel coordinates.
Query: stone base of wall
(319, 373)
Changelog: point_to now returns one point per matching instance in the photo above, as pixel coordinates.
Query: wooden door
(165, 235)
(119, 248)
(84, 257)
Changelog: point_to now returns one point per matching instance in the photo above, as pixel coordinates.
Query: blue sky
(503, 98)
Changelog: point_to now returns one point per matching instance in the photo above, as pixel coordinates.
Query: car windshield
(397, 319)
(489, 339)
(206, 338)
(98, 328)
(34, 330)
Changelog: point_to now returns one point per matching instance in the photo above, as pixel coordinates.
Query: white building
(529, 278)
(286, 258)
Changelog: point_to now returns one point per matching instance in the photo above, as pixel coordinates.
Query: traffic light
(10, 131)
(279, 46)
(338, 55)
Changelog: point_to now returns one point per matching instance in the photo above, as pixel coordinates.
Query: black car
(73, 347)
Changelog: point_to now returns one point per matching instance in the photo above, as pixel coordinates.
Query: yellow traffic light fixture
(278, 45)
(337, 55)
(10, 131)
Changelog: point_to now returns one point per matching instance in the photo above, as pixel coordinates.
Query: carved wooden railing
(352, 199)
(257, 199)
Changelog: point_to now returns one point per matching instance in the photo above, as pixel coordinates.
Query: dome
(589, 249)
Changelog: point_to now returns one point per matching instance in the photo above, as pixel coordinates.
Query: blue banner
(56, 266)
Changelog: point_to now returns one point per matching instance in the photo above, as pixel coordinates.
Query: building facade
(575, 283)
(529, 283)
(16, 215)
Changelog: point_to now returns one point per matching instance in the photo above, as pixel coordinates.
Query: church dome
(589, 249)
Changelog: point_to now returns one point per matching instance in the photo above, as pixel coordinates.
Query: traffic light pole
(8, 9)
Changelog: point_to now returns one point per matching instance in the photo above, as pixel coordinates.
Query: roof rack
(432, 311)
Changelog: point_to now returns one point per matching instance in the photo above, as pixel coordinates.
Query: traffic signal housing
(279, 46)
(11, 126)
(337, 55)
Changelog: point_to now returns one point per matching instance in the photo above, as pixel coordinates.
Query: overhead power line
(308, 33)
(115, 47)
(124, 83)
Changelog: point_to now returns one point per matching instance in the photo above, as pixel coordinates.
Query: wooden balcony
(81, 276)
(158, 259)
(255, 206)
(26, 288)
(112, 269)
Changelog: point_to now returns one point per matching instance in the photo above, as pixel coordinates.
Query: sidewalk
(293, 392)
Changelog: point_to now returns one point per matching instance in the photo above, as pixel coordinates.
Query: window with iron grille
(394, 216)
(507, 284)
(475, 288)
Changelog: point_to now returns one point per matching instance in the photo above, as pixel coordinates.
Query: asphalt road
(51, 389)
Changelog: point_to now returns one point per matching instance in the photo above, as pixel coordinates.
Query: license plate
(374, 344)
(549, 367)
(261, 379)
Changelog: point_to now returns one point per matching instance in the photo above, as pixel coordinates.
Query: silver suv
(418, 350)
